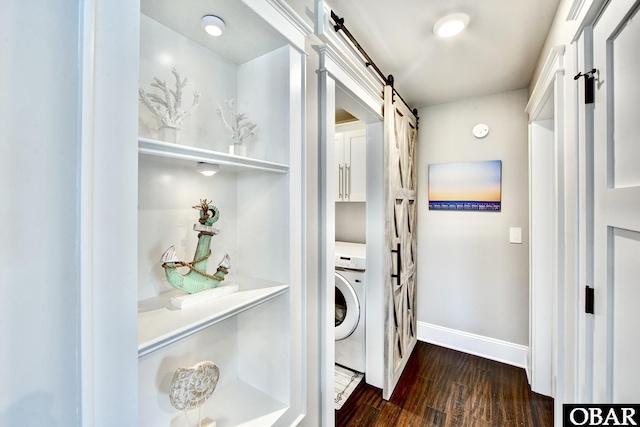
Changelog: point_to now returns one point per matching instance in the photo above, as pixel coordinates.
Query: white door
(617, 204)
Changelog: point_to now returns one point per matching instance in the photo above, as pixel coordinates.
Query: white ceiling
(497, 52)
(246, 35)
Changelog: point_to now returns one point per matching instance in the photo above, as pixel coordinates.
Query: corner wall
(473, 285)
(39, 213)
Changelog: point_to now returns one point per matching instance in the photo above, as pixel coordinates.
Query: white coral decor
(238, 124)
(168, 109)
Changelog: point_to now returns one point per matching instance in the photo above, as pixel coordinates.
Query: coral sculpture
(238, 124)
(168, 109)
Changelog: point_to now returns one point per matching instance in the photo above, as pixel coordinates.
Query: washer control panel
(351, 263)
(351, 256)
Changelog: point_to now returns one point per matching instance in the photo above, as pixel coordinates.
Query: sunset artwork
(466, 186)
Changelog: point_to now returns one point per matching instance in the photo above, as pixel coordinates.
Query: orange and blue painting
(465, 186)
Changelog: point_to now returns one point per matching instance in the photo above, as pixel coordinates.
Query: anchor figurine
(197, 279)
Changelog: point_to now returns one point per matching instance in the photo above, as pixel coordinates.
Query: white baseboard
(478, 345)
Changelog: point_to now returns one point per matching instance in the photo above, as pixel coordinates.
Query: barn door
(616, 38)
(400, 132)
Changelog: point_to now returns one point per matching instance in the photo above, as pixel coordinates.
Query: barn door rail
(388, 80)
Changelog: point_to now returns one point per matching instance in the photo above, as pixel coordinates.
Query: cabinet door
(356, 165)
(339, 167)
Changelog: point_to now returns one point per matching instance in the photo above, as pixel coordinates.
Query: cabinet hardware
(347, 181)
(589, 300)
(589, 84)
(340, 179)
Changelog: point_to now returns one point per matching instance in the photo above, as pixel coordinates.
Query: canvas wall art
(466, 186)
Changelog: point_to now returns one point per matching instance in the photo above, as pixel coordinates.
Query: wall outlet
(515, 235)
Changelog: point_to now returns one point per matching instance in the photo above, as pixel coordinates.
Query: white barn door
(400, 132)
(617, 204)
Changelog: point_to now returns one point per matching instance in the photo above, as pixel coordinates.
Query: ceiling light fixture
(213, 25)
(207, 169)
(451, 25)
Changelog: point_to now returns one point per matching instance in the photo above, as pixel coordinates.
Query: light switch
(515, 235)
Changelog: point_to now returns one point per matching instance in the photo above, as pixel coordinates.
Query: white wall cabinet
(255, 336)
(351, 163)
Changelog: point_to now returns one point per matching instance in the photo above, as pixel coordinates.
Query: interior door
(617, 204)
(400, 133)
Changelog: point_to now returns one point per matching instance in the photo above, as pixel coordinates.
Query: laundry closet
(350, 254)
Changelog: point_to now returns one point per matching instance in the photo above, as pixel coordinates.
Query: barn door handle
(398, 259)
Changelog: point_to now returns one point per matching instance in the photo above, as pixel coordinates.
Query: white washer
(350, 305)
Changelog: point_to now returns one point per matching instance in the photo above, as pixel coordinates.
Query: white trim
(282, 17)
(575, 10)
(290, 15)
(352, 80)
(85, 204)
(345, 64)
(326, 239)
(108, 332)
(551, 84)
(553, 64)
(478, 345)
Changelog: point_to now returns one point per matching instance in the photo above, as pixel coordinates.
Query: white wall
(62, 224)
(470, 278)
(39, 148)
(351, 222)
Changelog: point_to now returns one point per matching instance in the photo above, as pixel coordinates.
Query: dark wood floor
(442, 387)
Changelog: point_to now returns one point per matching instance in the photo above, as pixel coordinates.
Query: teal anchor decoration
(197, 279)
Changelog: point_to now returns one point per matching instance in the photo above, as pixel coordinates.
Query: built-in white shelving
(160, 324)
(254, 335)
(250, 407)
(228, 162)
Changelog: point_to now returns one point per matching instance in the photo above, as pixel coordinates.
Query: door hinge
(589, 300)
(589, 84)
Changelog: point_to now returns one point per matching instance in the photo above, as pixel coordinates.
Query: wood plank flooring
(442, 387)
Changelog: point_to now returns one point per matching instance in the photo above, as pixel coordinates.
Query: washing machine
(350, 287)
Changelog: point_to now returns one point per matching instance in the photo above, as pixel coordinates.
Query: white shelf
(160, 324)
(230, 162)
(239, 404)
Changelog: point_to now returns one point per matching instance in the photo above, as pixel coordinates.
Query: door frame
(548, 91)
(343, 81)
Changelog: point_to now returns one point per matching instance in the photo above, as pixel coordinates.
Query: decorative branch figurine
(238, 124)
(168, 109)
(197, 279)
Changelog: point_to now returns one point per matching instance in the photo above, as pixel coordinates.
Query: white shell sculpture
(192, 386)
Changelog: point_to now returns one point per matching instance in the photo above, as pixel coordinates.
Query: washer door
(347, 309)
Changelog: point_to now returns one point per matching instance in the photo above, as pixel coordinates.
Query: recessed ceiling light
(451, 25)
(207, 169)
(213, 25)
